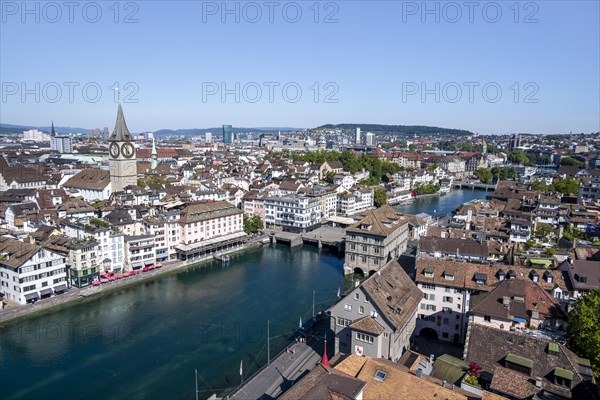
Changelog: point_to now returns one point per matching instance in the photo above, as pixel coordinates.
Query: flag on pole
(241, 367)
(338, 292)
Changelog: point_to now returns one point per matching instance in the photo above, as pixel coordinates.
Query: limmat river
(145, 342)
(442, 205)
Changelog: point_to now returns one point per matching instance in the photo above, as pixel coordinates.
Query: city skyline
(531, 68)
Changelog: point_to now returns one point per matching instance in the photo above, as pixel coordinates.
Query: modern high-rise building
(227, 134)
(357, 137)
(369, 139)
(60, 143)
(208, 137)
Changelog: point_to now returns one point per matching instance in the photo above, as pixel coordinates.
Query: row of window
(364, 338)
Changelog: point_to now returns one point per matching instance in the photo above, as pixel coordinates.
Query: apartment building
(380, 235)
(111, 245)
(165, 230)
(139, 252)
(293, 213)
(206, 228)
(29, 272)
(84, 263)
(328, 200)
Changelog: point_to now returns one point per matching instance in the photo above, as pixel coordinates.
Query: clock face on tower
(127, 150)
(114, 150)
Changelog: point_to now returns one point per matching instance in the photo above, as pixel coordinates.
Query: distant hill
(8, 129)
(398, 129)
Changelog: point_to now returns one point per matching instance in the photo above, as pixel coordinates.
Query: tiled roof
(15, 253)
(203, 211)
(369, 325)
(92, 178)
(463, 247)
(325, 383)
(380, 222)
(489, 347)
(393, 292)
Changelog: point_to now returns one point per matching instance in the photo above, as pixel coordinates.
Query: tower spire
(120, 133)
(53, 132)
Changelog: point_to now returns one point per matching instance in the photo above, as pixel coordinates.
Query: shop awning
(519, 319)
(44, 292)
(60, 289)
(31, 296)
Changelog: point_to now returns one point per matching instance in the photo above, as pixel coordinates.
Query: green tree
(584, 335)
(540, 186)
(570, 161)
(426, 188)
(484, 175)
(519, 157)
(544, 230)
(380, 198)
(252, 223)
(566, 186)
(329, 177)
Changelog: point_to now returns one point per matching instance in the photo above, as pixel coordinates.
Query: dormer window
(511, 274)
(563, 377)
(534, 276)
(581, 278)
(428, 272)
(480, 278)
(449, 275)
(549, 277)
(500, 275)
(553, 349)
(518, 363)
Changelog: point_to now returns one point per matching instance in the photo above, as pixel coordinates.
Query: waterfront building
(165, 230)
(207, 228)
(379, 236)
(110, 255)
(359, 199)
(84, 263)
(377, 318)
(327, 199)
(29, 272)
(253, 203)
(293, 213)
(139, 252)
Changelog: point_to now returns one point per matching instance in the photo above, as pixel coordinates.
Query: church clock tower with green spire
(122, 157)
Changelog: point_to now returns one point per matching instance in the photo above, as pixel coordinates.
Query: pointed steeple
(120, 133)
(52, 132)
(154, 163)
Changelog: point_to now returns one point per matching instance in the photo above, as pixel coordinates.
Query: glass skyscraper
(227, 134)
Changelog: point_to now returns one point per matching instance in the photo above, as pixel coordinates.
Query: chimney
(431, 357)
(505, 300)
(538, 382)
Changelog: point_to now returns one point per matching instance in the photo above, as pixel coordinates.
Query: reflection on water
(442, 205)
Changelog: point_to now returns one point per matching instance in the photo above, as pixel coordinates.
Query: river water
(442, 205)
(145, 341)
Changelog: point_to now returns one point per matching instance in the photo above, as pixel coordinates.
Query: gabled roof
(393, 292)
(15, 253)
(92, 178)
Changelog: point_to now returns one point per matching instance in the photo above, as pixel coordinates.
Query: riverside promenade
(14, 311)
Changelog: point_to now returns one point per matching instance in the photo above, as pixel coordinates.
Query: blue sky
(532, 68)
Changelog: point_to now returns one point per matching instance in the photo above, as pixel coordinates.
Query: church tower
(122, 157)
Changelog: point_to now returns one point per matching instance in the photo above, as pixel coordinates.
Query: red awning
(119, 276)
(96, 283)
(103, 280)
